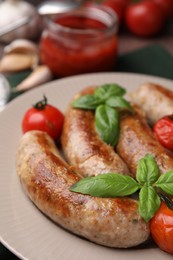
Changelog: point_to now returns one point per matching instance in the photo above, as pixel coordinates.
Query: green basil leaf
(117, 101)
(107, 124)
(149, 202)
(87, 102)
(165, 182)
(107, 90)
(106, 185)
(147, 170)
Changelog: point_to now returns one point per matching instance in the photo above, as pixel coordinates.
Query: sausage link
(84, 149)
(137, 139)
(155, 100)
(46, 178)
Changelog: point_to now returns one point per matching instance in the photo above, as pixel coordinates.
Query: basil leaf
(87, 102)
(107, 90)
(107, 124)
(165, 182)
(149, 202)
(147, 170)
(120, 102)
(106, 185)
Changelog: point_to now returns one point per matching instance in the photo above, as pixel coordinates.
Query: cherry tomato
(161, 226)
(166, 5)
(163, 130)
(145, 18)
(118, 6)
(43, 117)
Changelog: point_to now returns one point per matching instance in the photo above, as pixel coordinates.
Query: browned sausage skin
(82, 146)
(46, 178)
(155, 100)
(137, 139)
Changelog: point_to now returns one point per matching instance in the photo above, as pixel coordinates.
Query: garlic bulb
(20, 54)
(16, 62)
(21, 46)
(11, 11)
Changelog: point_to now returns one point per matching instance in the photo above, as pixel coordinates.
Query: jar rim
(102, 14)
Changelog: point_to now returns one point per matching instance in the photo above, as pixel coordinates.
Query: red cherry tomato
(118, 6)
(43, 117)
(163, 130)
(145, 18)
(161, 226)
(166, 5)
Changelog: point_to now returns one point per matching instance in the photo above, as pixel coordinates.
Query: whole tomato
(161, 226)
(145, 18)
(163, 130)
(166, 5)
(118, 6)
(44, 117)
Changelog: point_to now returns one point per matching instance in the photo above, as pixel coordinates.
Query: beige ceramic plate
(25, 230)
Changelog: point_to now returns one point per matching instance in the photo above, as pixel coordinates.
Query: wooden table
(128, 42)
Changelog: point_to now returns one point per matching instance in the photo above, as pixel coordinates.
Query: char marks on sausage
(46, 178)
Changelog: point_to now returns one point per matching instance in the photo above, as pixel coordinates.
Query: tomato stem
(168, 201)
(40, 105)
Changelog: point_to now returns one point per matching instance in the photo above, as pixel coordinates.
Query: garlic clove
(21, 46)
(40, 75)
(18, 62)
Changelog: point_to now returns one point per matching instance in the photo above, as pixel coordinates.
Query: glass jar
(80, 41)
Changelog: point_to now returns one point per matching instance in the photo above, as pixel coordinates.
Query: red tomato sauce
(79, 52)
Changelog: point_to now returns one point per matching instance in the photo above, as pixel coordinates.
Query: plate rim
(52, 83)
(69, 78)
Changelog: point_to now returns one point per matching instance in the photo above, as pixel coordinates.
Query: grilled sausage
(137, 139)
(155, 100)
(46, 179)
(82, 146)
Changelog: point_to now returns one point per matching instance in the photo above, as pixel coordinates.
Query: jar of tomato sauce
(80, 41)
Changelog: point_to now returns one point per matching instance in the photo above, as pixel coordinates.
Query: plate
(23, 228)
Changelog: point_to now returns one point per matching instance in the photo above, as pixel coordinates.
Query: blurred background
(128, 41)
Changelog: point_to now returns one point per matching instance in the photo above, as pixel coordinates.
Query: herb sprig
(149, 182)
(106, 101)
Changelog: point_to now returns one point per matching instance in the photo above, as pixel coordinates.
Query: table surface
(129, 42)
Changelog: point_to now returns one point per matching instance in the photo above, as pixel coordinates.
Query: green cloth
(15, 79)
(151, 60)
